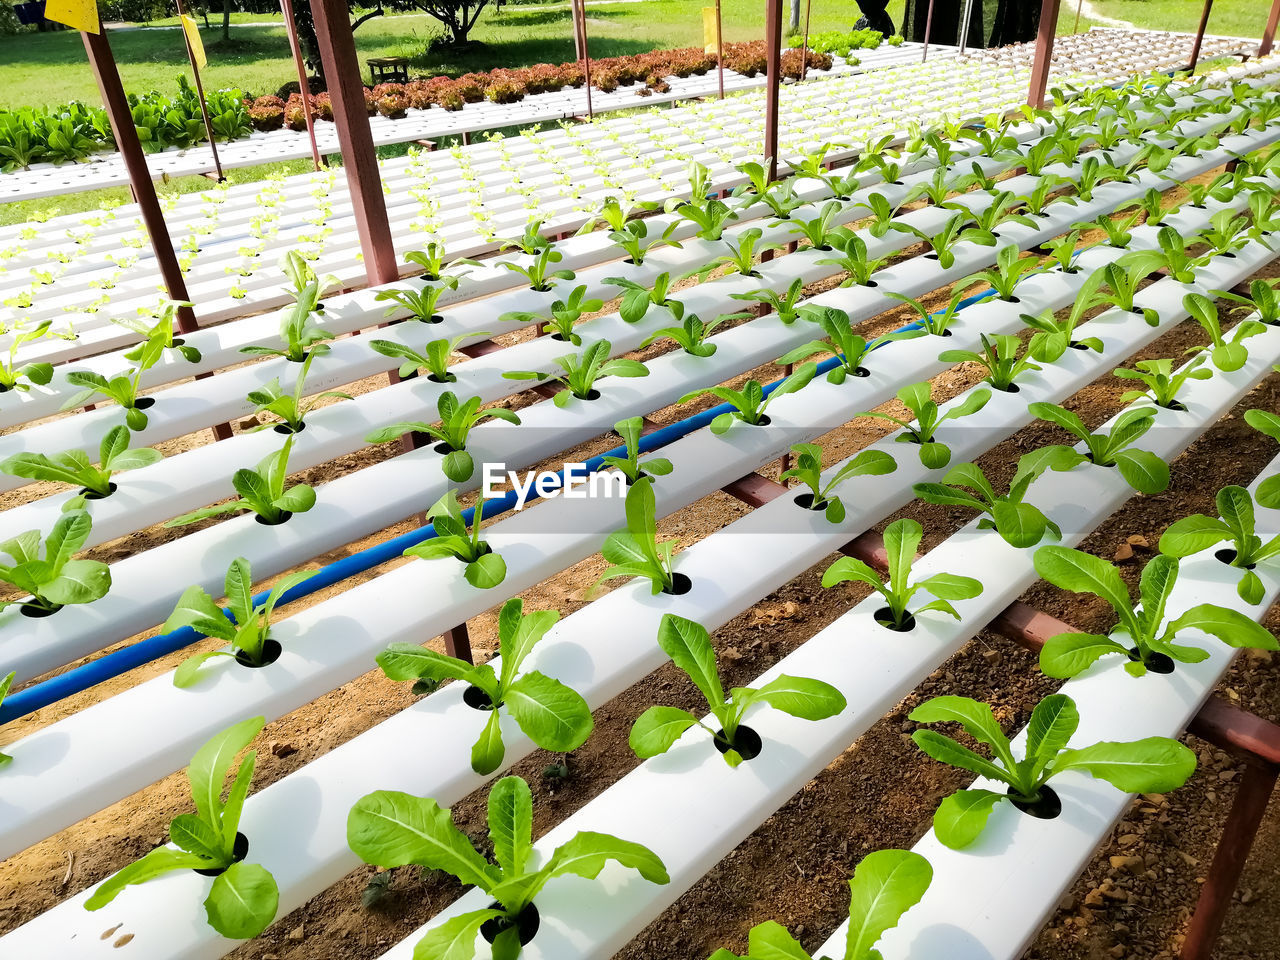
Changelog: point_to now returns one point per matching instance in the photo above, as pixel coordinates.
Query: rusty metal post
(144, 190)
(1195, 48)
(1044, 52)
(579, 38)
(580, 24)
(928, 30)
(773, 75)
(204, 107)
(1269, 33)
(720, 48)
(304, 87)
(457, 643)
(804, 43)
(360, 158)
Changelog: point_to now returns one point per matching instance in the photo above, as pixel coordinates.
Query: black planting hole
(592, 394)
(1042, 216)
(271, 651)
(477, 699)
(95, 495)
(1227, 255)
(931, 256)
(1047, 806)
(1011, 388)
(143, 403)
(526, 922)
(434, 318)
(1175, 405)
(1156, 662)
(869, 284)
(1011, 299)
(680, 585)
(447, 378)
(631, 261)
(945, 333)
(884, 617)
(443, 449)
(286, 429)
(806, 501)
(38, 611)
(1076, 345)
(764, 421)
(284, 517)
(639, 476)
(746, 741)
(860, 372)
(1228, 556)
(238, 852)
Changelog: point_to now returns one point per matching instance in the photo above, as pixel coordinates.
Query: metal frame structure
(773, 73)
(304, 85)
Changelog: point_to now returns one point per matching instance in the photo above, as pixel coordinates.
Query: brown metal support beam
(457, 643)
(360, 158)
(720, 48)
(773, 85)
(304, 85)
(928, 30)
(1044, 53)
(144, 190)
(580, 31)
(1269, 33)
(204, 107)
(1195, 47)
(804, 44)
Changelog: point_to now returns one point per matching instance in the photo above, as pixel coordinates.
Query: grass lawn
(1230, 18)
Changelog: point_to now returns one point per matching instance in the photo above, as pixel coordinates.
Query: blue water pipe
(144, 651)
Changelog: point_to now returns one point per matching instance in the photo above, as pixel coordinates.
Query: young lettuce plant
(631, 238)
(848, 347)
(1162, 384)
(538, 270)
(248, 632)
(916, 397)
(785, 305)
(291, 408)
(73, 466)
(934, 324)
(1234, 525)
(158, 337)
(630, 466)
(638, 298)
(1172, 256)
(881, 212)
(692, 333)
(581, 371)
(1008, 272)
(943, 242)
(1263, 300)
(741, 257)
(456, 422)
(483, 568)
(636, 551)
(1000, 356)
(819, 231)
(564, 314)
(1119, 229)
(1150, 765)
(1142, 470)
(688, 645)
(808, 470)
(393, 829)
(710, 216)
(243, 899)
(15, 377)
(300, 333)
(1021, 524)
(1002, 210)
(1054, 336)
(553, 716)
(57, 579)
(1148, 643)
(1227, 352)
(419, 301)
(853, 258)
(262, 491)
(885, 885)
(749, 403)
(434, 357)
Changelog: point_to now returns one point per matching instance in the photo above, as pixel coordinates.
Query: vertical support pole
(204, 107)
(144, 190)
(1044, 52)
(804, 44)
(1079, 10)
(580, 24)
(304, 87)
(360, 159)
(579, 39)
(720, 48)
(964, 25)
(773, 74)
(1256, 787)
(1204, 24)
(928, 31)
(457, 643)
(1269, 34)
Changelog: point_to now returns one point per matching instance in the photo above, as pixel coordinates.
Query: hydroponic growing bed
(1037, 253)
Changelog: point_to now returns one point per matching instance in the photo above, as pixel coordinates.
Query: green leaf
(951, 586)
(239, 587)
(518, 633)
(554, 716)
(1082, 572)
(488, 751)
(976, 718)
(511, 824)
(486, 571)
(389, 828)
(961, 818)
(901, 538)
(197, 610)
(1230, 626)
(945, 750)
(188, 672)
(160, 861)
(297, 499)
(688, 644)
(1151, 765)
(771, 941)
(885, 885)
(408, 661)
(850, 568)
(80, 581)
(1192, 534)
(1021, 525)
(1143, 470)
(69, 533)
(802, 697)
(211, 762)
(1053, 721)
(188, 832)
(1068, 654)
(657, 729)
(455, 939)
(243, 901)
(586, 854)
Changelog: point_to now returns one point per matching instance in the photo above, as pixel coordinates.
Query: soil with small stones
(1133, 901)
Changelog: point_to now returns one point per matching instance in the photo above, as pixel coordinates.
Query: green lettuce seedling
(631, 238)
(1226, 353)
(537, 272)
(943, 243)
(243, 898)
(1021, 524)
(483, 568)
(849, 348)
(56, 579)
(1262, 300)
(73, 466)
(916, 397)
(630, 466)
(808, 470)
(1162, 384)
(1147, 639)
(12, 376)
(1235, 525)
(158, 337)
(300, 333)
(1009, 270)
(709, 215)
(741, 257)
(392, 829)
(885, 885)
(262, 491)
(249, 628)
(636, 551)
(456, 422)
(785, 305)
(688, 645)
(853, 258)
(1001, 358)
(581, 371)
(750, 402)
(552, 715)
(562, 316)
(1150, 765)
(637, 298)
(819, 231)
(421, 301)
(901, 538)
(935, 324)
(692, 333)
(434, 357)
(291, 408)
(1141, 469)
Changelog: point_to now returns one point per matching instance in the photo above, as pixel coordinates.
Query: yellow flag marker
(193, 37)
(709, 29)
(81, 14)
